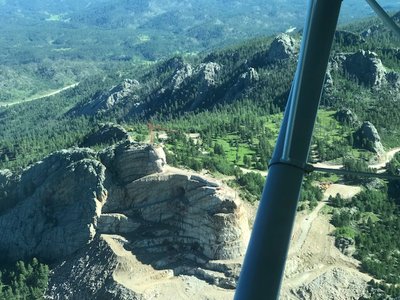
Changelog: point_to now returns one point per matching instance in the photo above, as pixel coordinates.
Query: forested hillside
(220, 111)
(229, 87)
(50, 44)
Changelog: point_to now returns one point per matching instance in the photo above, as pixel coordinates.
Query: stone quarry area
(121, 224)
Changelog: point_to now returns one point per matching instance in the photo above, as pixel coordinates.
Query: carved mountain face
(124, 199)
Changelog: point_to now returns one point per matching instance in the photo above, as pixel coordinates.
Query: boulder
(206, 77)
(249, 77)
(376, 184)
(328, 84)
(367, 137)
(207, 73)
(129, 161)
(330, 286)
(282, 47)
(372, 31)
(346, 245)
(366, 67)
(347, 117)
(116, 223)
(336, 62)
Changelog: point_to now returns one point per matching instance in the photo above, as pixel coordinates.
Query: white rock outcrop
(125, 91)
(282, 47)
(208, 73)
(181, 75)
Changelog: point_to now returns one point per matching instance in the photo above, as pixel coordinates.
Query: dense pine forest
(24, 280)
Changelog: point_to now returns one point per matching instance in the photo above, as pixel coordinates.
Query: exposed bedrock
(367, 137)
(366, 67)
(59, 209)
(282, 47)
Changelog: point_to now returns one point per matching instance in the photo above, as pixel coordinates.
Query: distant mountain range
(203, 10)
(179, 26)
(47, 44)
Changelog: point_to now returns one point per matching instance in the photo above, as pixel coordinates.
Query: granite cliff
(105, 220)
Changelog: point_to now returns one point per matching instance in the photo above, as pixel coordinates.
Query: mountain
(188, 231)
(179, 86)
(255, 75)
(42, 41)
(82, 194)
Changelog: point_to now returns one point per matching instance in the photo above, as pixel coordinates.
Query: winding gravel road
(52, 93)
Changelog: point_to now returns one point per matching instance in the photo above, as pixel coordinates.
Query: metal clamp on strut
(305, 167)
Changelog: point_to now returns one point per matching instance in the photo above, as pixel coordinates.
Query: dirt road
(42, 96)
(262, 173)
(379, 166)
(385, 158)
(312, 252)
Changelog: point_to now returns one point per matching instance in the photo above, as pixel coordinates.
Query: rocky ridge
(206, 74)
(127, 90)
(347, 117)
(179, 85)
(366, 67)
(348, 38)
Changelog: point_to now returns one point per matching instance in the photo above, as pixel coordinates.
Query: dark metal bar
(386, 19)
(264, 263)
